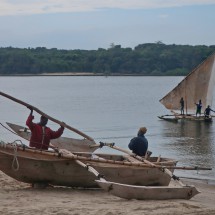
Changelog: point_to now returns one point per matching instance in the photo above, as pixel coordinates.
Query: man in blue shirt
(208, 111)
(139, 144)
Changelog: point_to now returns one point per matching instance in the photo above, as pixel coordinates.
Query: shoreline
(20, 198)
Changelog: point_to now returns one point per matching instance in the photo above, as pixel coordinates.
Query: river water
(111, 109)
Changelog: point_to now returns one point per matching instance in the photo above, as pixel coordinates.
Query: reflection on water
(192, 142)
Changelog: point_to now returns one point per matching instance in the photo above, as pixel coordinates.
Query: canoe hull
(148, 192)
(37, 168)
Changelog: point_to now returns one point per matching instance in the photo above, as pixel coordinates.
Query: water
(111, 109)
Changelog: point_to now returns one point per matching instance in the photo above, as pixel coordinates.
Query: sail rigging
(198, 84)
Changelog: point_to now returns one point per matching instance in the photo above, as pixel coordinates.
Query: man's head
(142, 131)
(43, 120)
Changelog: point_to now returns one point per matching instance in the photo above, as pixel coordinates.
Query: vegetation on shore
(145, 59)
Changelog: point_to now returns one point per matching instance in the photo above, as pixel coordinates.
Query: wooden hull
(71, 144)
(176, 118)
(148, 192)
(36, 167)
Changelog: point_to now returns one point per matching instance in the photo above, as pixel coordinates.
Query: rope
(15, 163)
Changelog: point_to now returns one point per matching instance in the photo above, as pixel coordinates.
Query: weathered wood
(159, 157)
(148, 192)
(61, 169)
(41, 168)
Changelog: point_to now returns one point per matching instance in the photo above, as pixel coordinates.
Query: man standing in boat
(139, 144)
(198, 107)
(208, 111)
(40, 134)
(182, 105)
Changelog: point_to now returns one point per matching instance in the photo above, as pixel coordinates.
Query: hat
(143, 130)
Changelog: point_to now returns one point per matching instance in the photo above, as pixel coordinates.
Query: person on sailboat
(40, 134)
(208, 111)
(139, 144)
(182, 105)
(198, 107)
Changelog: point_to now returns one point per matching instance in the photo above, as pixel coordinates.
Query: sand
(20, 198)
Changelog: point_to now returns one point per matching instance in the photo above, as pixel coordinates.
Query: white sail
(196, 85)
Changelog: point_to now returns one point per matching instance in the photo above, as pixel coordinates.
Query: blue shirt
(139, 145)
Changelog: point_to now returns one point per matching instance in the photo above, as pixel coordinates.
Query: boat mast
(185, 96)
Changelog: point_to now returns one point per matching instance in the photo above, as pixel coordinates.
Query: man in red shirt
(40, 134)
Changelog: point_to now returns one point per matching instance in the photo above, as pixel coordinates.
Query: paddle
(47, 116)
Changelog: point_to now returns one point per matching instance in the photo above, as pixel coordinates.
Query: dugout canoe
(173, 191)
(71, 144)
(34, 166)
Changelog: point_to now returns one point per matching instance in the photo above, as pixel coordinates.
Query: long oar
(47, 116)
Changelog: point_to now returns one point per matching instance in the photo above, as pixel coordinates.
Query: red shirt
(40, 139)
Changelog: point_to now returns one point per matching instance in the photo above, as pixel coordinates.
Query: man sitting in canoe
(40, 134)
(139, 144)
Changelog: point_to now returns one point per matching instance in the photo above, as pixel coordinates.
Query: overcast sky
(93, 24)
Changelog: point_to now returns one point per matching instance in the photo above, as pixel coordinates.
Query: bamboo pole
(47, 116)
(149, 164)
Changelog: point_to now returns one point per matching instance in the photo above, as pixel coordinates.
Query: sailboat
(197, 85)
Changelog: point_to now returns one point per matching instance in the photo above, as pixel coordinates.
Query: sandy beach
(20, 198)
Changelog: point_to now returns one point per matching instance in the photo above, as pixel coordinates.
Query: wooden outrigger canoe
(71, 144)
(148, 192)
(177, 117)
(131, 180)
(130, 177)
(34, 166)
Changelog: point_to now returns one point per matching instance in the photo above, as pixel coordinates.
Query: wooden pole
(47, 116)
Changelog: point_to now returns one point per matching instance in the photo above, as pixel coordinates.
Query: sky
(93, 24)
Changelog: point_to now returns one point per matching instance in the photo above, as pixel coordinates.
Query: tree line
(145, 59)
